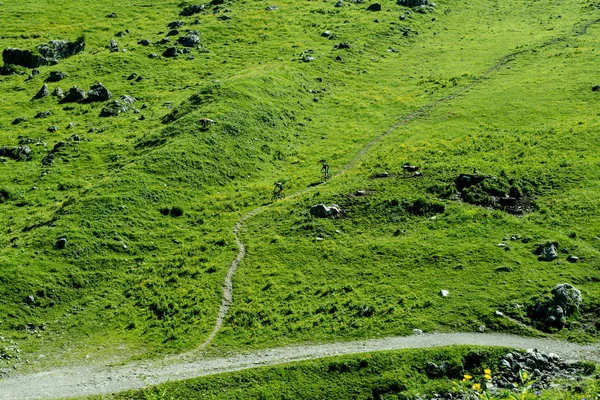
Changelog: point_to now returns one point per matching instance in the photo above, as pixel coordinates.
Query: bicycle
(326, 176)
(277, 195)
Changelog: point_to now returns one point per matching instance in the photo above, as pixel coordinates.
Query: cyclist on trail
(278, 189)
(325, 169)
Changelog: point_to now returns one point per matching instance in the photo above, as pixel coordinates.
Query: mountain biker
(278, 188)
(325, 168)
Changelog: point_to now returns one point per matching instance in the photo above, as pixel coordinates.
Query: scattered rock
(17, 121)
(498, 313)
(59, 145)
(191, 10)
(340, 3)
(30, 299)
(547, 251)
(565, 300)
(114, 108)
(71, 125)
(412, 3)
(504, 269)
(127, 99)
(175, 24)
(170, 52)
(322, 211)
(57, 92)
(120, 34)
(374, 7)
(112, 15)
(343, 45)
(417, 332)
(45, 54)
(573, 259)
(595, 88)
(114, 47)
(56, 76)
(42, 114)
(482, 328)
(173, 32)
(73, 95)
(190, 40)
(98, 92)
(326, 34)
(144, 42)
(272, 8)
(382, 175)
(308, 58)
(18, 153)
(224, 17)
(152, 55)
(52, 129)
(444, 293)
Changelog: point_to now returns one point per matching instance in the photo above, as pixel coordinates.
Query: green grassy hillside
(147, 205)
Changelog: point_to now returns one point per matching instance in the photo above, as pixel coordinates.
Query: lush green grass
(133, 282)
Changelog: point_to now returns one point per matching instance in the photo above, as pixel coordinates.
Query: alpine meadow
(300, 199)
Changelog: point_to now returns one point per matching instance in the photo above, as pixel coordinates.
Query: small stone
(444, 293)
(498, 313)
(42, 114)
(481, 328)
(18, 120)
(326, 34)
(417, 332)
(112, 15)
(43, 92)
(374, 7)
(52, 128)
(61, 243)
(272, 8)
(144, 42)
(573, 259)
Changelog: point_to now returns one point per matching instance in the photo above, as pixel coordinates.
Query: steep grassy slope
(133, 278)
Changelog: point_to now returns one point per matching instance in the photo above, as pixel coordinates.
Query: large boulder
(18, 153)
(44, 54)
(322, 211)
(553, 311)
(547, 251)
(74, 94)
(374, 7)
(98, 92)
(56, 76)
(115, 107)
(190, 40)
(43, 92)
(192, 9)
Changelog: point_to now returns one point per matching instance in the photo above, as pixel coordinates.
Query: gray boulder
(547, 251)
(18, 120)
(74, 94)
(340, 3)
(272, 8)
(44, 54)
(554, 311)
(43, 92)
(175, 24)
(114, 108)
(144, 42)
(98, 92)
(191, 10)
(42, 114)
(58, 92)
(56, 76)
(192, 39)
(322, 211)
(18, 153)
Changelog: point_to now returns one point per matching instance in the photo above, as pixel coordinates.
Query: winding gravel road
(82, 381)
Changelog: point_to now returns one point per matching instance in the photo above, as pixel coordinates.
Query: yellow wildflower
(487, 371)
(488, 377)
(477, 386)
(467, 378)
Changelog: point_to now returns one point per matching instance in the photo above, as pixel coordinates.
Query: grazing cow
(412, 169)
(206, 123)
